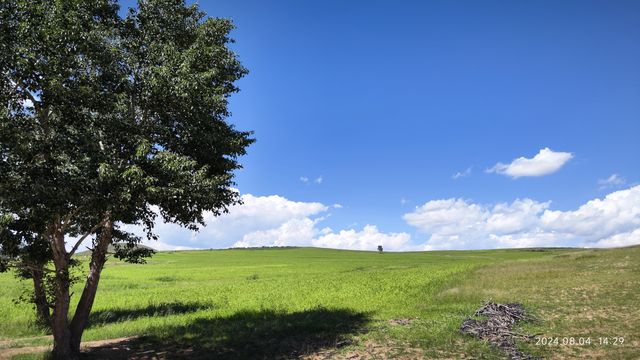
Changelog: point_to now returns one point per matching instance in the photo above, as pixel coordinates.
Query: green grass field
(283, 303)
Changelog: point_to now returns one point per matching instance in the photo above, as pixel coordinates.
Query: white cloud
(545, 162)
(510, 218)
(161, 246)
(447, 224)
(612, 181)
(367, 239)
(303, 232)
(446, 217)
(619, 240)
(258, 213)
(294, 232)
(618, 212)
(270, 221)
(461, 224)
(462, 174)
(306, 180)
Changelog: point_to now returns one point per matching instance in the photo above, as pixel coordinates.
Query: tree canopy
(109, 120)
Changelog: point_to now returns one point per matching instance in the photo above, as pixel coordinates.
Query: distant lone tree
(380, 249)
(107, 120)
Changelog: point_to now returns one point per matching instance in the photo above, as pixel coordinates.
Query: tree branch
(30, 267)
(67, 219)
(93, 229)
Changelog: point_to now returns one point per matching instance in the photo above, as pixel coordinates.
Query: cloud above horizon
(367, 239)
(461, 224)
(442, 224)
(545, 162)
(271, 221)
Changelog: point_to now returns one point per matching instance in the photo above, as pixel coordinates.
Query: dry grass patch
(582, 294)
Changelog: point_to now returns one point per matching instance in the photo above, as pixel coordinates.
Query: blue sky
(386, 101)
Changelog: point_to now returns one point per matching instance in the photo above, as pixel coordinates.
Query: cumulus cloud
(545, 162)
(304, 232)
(619, 240)
(304, 179)
(446, 217)
(443, 224)
(293, 232)
(258, 213)
(617, 213)
(271, 221)
(162, 246)
(461, 224)
(366, 239)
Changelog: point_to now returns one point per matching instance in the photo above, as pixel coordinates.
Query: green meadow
(305, 302)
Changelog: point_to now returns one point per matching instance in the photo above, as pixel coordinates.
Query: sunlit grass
(287, 291)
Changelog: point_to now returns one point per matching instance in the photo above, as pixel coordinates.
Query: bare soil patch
(88, 345)
(401, 321)
(370, 351)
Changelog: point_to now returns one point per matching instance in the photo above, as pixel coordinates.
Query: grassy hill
(299, 302)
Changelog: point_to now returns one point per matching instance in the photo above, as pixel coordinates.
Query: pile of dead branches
(495, 325)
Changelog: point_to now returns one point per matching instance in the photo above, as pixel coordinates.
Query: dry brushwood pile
(496, 327)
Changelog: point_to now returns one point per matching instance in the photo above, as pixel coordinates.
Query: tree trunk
(43, 313)
(98, 258)
(60, 321)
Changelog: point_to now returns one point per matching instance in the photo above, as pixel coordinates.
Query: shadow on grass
(245, 335)
(103, 317)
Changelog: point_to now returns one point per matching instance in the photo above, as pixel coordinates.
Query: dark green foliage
(107, 120)
(126, 247)
(105, 114)
(126, 112)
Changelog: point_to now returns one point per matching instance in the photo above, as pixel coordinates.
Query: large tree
(108, 120)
